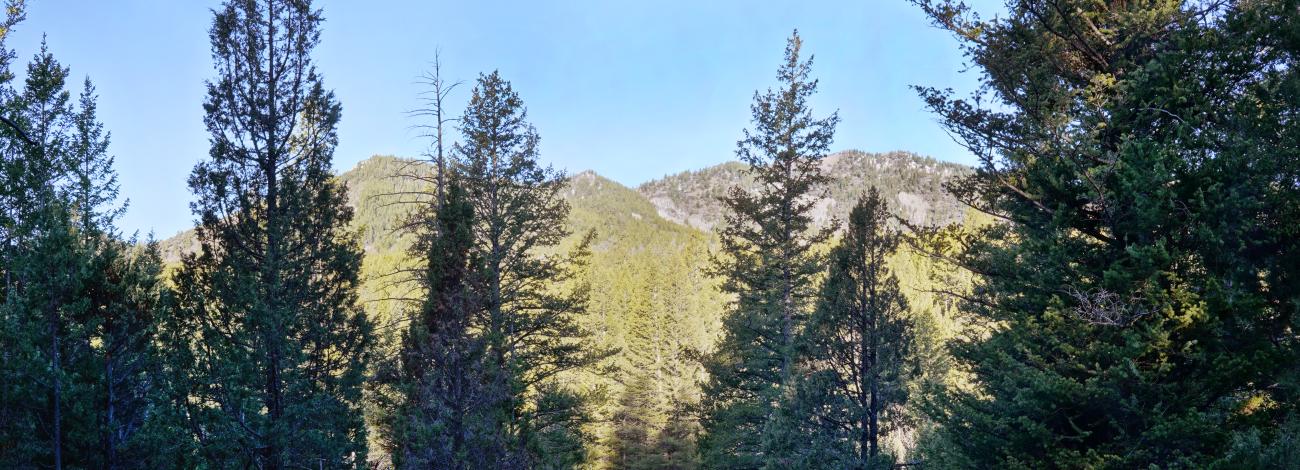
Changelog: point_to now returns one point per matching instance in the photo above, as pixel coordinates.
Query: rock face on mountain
(914, 185)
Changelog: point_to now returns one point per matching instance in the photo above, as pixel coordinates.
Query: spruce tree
(859, 341)
(120, 304)
(650, 429)
(270, 343)
(769, 264)
(633, 446)
(1130, 309)
(44, 269)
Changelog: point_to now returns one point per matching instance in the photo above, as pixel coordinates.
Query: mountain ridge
(691, 198)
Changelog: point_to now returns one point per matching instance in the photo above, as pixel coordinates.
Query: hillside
(651, 298)
(913, 184)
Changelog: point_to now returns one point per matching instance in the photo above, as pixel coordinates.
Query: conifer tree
(80, 301)
(529, 299)
(769, 264)
(121, 292)
(859, 341)
(633, 439)
(1130, 310)
(439, 418)
(270, 343)
(44, 275)
(650, 429)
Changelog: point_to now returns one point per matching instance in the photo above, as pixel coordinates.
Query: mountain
(651, 296)
(912, 183)
(682, 203)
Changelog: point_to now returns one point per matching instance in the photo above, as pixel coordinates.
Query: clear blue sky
(632, 90)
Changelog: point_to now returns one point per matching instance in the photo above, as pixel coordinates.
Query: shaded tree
(860, 340)
(1130, 309)
(438, 418)
(269, 341)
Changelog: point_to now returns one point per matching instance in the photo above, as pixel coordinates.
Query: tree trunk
(56, 368)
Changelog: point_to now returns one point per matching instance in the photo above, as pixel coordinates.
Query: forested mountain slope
(651, 297)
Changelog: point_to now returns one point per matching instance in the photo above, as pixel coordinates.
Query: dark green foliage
(438, 414)
(269, 343)
(1134, 309)
(769, 264)
(527, 297)
(78, 319)
(858, 347)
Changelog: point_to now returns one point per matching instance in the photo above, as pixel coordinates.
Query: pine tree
(270, 344)
(769, 264)
(1129, 310)
(860, 339)
(529, 299)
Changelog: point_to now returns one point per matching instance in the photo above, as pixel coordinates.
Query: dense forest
(1115, 284)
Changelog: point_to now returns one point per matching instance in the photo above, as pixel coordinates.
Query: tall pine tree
(270, 343)
(769, 264)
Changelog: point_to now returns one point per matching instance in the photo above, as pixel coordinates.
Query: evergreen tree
(860, 339)
(529, 299)
(121, 299)
(44, 274)
(80, 301)
(270, 344)
(770, 264)
(437, 419)
(1131, 311)
(633, 438)
(649, 428)
(93, 187)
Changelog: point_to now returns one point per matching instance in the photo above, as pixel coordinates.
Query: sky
(631, 90)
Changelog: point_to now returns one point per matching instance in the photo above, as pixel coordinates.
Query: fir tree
(633, 439)
(270, 343)
(769, 264)
(44, 268)
(650, 429)
(121, 289)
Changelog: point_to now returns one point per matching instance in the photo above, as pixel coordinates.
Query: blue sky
(632, 90)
